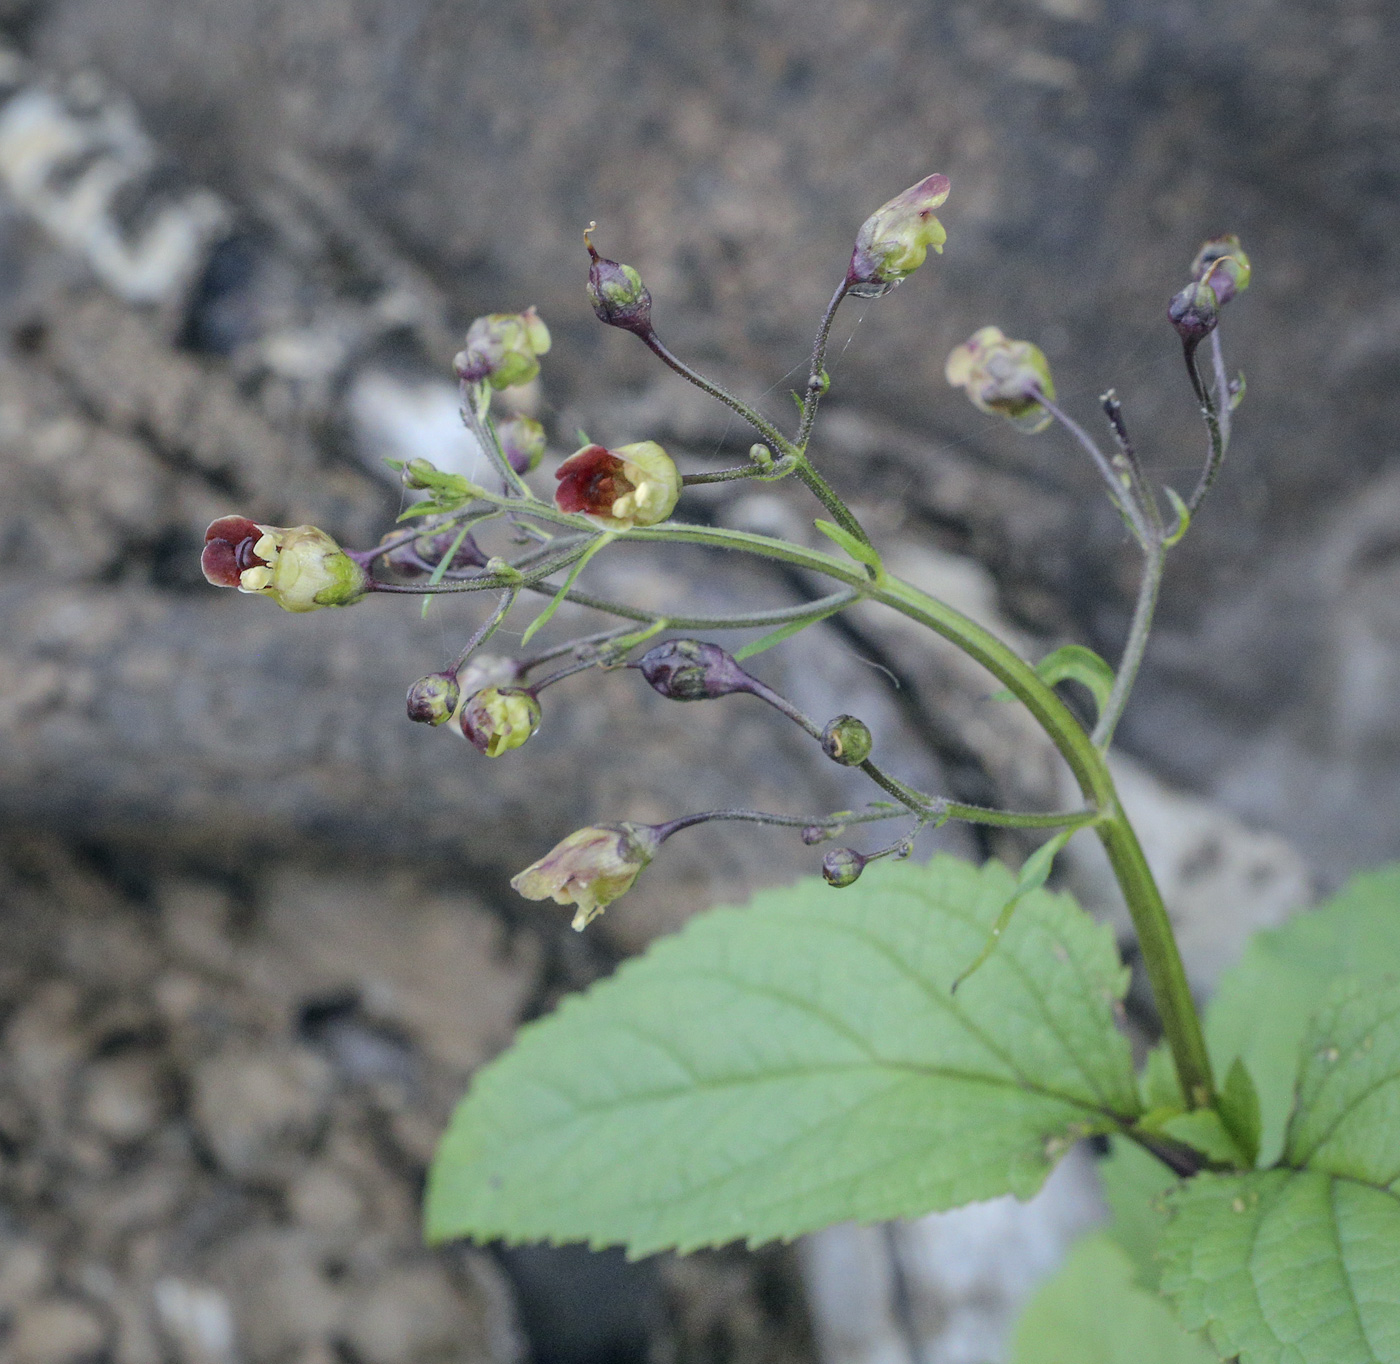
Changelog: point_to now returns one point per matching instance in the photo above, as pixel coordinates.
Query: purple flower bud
(1194, 313)
(432, 699)
(418, 558)
(522, 441)
(617, 293)
(847, 741)
(690, 670)
(842, 867)
(1222, 263)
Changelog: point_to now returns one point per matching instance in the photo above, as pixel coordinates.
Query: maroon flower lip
(228, 550)
(591, 481)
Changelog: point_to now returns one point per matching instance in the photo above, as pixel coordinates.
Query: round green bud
(847, 741)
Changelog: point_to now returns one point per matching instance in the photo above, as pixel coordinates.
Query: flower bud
(894, 240)
(503, 349)
(821, 833)
(1003, 376)
(299, 567)
(691, 670)
(497, 719)
(590, 868)
(432, 699)
(1194, 314)
(847, 741)
(842, 867)
(634, 485)
(617, 293)
(1222, 263)
(419, 557)
(522, 441)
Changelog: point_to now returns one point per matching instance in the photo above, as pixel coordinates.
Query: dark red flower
(228, 549)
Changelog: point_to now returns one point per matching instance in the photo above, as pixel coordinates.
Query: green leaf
(1133, 1184)
(1183, 518)
(1035, 871)
(1204, 1129)
(783, 632)
(1347, 1120)
(799, 1062)
(1092, 1312)
(861, 552)
(1239, 1108)
(606, 538)
(1262, 1005)
(1287, 1267)
(1075, 663)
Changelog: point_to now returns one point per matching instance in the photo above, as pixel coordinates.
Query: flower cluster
(600, 493)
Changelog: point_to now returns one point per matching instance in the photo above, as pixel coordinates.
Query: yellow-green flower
(590, 868)
(497, 719)
(893, 242)
(300, 567)
(503, 349)
(1003, 376)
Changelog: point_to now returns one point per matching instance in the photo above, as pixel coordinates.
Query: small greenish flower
(503, 349)
(1222, 264)
(498, 719)
(1004, 377)
(893, 242)
(634, 485)
(590, 868)
(841, 867)
(300, 567)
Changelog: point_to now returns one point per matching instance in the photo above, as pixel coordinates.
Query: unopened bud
(432, 699)
(691, 670)
(522, 441)
(617, 293)
(847, 741)
(820, 833)
(300, 567)
(1003, 376)
(1194, 313)
(503, 349)
(419, 557)
(498, 719)
(894, 240)
(842, 867)
(634, 485)
(1222, 263)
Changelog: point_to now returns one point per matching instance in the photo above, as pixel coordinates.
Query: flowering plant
(933, 1034)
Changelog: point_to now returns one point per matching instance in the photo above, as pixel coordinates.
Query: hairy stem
(1133, 650)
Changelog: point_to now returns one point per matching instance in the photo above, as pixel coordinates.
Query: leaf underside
(774, 1069)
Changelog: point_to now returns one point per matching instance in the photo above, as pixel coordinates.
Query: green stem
(1133, 650)
(816, 383)
(1216, 455)
(775, 438)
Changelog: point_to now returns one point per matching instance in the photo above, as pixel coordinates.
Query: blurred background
(257, 932)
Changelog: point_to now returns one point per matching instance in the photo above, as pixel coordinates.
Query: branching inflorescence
(607, 495)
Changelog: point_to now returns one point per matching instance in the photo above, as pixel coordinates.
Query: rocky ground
(257, 932)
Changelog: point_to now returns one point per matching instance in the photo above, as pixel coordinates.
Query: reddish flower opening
(591, 481)
(228, 549)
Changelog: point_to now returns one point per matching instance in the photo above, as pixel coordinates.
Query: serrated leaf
(1287, 1267)
(1262, 1005)
(1092, 1312)
(1203, 1129)
(861, 552)
(1133, 1185)
(799, 1062)
(1347, 1119)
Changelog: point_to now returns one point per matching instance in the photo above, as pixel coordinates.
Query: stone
(121, 1098)
(55, 1331)
(259, 1109)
